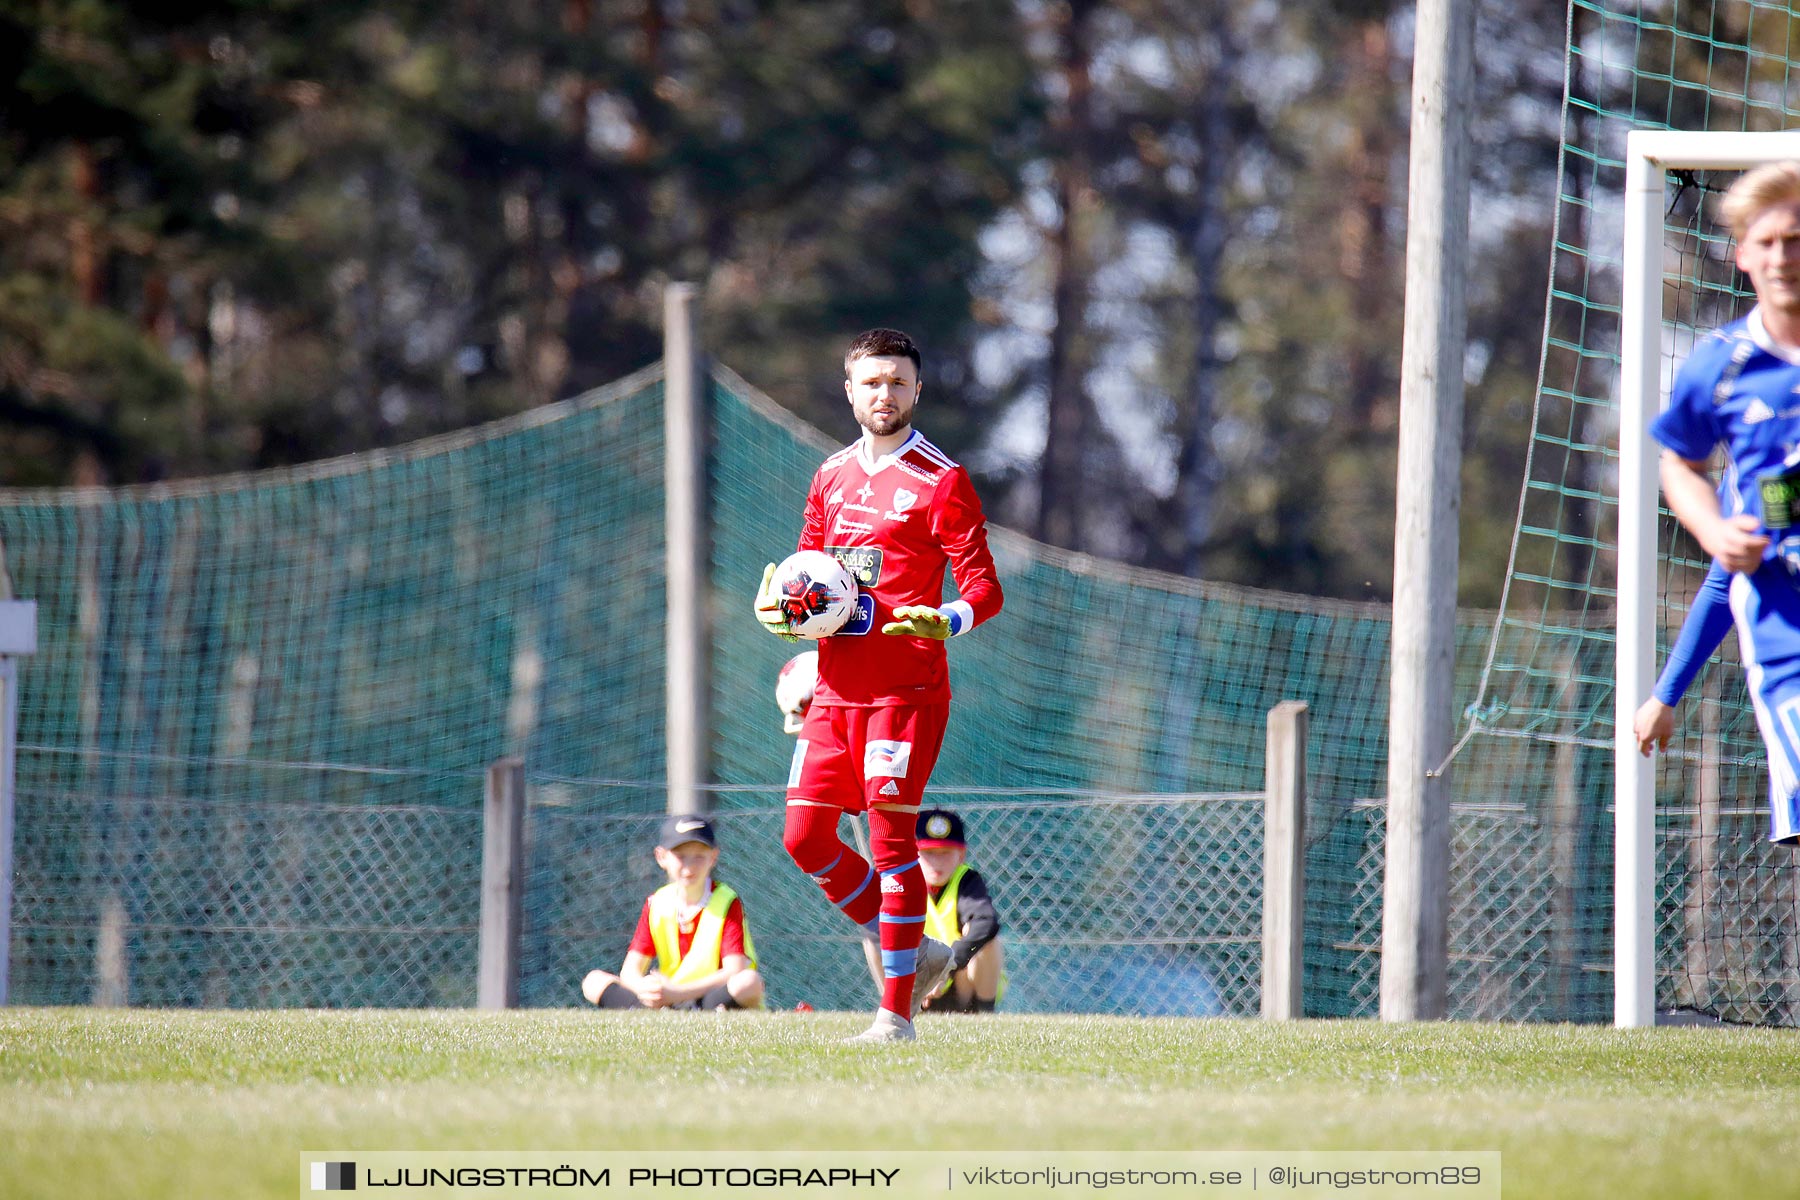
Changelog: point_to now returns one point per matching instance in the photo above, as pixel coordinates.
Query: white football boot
(888, 1027)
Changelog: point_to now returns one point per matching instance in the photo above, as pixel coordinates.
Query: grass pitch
(182, 1104)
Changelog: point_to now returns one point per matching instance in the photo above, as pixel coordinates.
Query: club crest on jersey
(882, 757)
(903, 499)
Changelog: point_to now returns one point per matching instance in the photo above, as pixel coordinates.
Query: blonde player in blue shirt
(1740, 390)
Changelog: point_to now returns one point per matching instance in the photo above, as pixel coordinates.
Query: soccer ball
(816, 593)
(794, 688)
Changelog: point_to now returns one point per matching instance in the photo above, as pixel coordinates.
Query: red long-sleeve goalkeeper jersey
(896, 522)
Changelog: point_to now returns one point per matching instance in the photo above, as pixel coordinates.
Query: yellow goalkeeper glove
(918, 620)
(768, 608)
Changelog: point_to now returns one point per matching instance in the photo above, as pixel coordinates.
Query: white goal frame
(1649, 156)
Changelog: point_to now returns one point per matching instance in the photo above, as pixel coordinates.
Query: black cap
(686, 827)
(939, 827)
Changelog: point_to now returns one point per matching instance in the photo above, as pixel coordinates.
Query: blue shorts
(1775, 694)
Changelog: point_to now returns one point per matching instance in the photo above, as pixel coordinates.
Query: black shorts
(948, 1003)
(617, 995)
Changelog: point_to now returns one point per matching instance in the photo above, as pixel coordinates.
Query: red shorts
(851, 758)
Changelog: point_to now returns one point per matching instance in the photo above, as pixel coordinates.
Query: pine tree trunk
(1066, 436)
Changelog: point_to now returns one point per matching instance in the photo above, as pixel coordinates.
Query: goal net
(1700, 910)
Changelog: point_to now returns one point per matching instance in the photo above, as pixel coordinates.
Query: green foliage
(347, 227)
(1241, 300)
(93, 377)
(333, 226)
(888, 136)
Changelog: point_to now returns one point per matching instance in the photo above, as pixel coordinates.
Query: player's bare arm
(1734, 541)
(1653, 726)
(636, 974)
(669, 994)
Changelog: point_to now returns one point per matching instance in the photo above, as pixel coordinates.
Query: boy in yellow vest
(959, 912)
(692, 948)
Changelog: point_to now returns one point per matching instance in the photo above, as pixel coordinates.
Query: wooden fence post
(1284, 862)
(502, 884)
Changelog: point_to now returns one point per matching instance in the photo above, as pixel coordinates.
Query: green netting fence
(253, 742)
(1726, 907)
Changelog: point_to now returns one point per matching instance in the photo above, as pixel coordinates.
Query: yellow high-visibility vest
(940, 913)
(941, 922)
(704, 951)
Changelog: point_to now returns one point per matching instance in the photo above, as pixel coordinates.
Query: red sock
(896, 853)
(812, 841)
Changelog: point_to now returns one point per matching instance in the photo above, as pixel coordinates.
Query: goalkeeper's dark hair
(882, 343)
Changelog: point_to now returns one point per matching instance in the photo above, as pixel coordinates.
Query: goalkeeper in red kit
(895, 510)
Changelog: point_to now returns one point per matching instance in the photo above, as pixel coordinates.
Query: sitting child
(960, 912)
(692, 948)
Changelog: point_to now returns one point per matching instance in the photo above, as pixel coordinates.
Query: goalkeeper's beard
(885, 426)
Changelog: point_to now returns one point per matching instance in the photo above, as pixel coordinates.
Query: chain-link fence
(253, 743)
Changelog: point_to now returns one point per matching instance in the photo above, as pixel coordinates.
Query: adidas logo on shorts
(888, 789)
